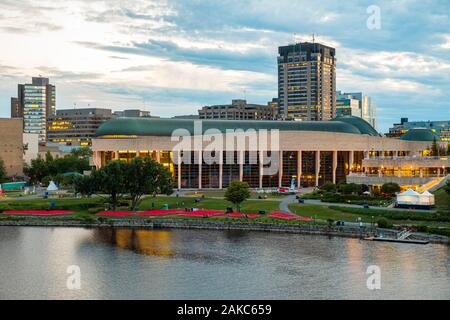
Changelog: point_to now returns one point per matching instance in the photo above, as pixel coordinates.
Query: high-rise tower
(307, 82)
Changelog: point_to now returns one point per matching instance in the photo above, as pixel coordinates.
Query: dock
(411, 241)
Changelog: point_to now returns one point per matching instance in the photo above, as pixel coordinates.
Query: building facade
(367, 109)
(11, 146)
(36, 102)
(76, 127)
(307, 82)
(238, 110)
(347, 107)
(440, 128)
(308, 153)
(133, 113)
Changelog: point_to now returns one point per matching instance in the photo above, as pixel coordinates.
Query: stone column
(200, 162)
(280, 170)
(317, 167)
(241, 165)
(158, 156)
(399, 172)
(334, 165)
(299, 168)
(351, 160)
(179, 169)
(116, 155)
(261, 168)
(220, 170)
(421, 172)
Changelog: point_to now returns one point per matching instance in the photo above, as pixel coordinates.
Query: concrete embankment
(347, 231)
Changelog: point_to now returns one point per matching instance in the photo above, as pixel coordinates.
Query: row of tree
(352, 188)
(43, 170)
(135, 179)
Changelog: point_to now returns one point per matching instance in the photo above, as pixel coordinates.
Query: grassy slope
(442, 199)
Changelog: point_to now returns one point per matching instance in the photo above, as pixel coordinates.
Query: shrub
(390, 188)
(328, 187)
(384, 223)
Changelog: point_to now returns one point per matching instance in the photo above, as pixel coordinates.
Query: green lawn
(339, 213)
(249, 206)
(325, 213)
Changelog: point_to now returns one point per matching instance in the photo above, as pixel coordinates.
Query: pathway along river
(204, 264)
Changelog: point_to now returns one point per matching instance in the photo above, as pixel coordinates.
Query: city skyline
(172, 57)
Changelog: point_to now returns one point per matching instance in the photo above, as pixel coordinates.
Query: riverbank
(347, 231)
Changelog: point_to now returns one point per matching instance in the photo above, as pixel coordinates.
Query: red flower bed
(240, 215)
(115, 213)
(202, 213)
(282, 215)
(37, 212)
(152, 213)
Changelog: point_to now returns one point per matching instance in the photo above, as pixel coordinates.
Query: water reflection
(147, 242)
(212, 264)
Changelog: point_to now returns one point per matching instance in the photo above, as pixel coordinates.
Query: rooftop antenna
(313, 38)
(74, 105)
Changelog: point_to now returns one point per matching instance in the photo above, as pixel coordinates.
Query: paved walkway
(285, 202)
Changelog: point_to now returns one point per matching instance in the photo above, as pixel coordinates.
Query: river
(203, 264)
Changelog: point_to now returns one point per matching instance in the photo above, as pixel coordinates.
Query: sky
(173, 57)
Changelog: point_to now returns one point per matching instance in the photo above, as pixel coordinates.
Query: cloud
(178, 55)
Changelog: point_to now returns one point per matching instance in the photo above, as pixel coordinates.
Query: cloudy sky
(171, 57)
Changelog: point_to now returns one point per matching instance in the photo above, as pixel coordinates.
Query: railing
(408, 158)
(370, 175)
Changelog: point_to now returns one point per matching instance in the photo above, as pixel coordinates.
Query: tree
(390, 188)
(3, 176)
(85, 185)
(434, 148)
(81, 153)
(112, 180)
(237, 192)
(145, 176)
(43, 170)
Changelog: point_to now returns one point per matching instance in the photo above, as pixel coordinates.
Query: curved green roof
(363, 126)
(165, 127)
(420, 134)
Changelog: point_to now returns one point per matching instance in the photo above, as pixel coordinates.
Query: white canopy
(427, 198)
(52, 187)
(411, 197)
(408, 197)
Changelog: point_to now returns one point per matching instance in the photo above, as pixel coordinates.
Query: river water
(203, 264)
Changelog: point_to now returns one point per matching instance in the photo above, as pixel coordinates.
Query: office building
(440, 128)
(11, 146)
(133, 113)
(238, 110)
(36, 102)
(309, 153)
(16, 110)
(346, 106)
(76, 127)
(306, 82)
(367, 109)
